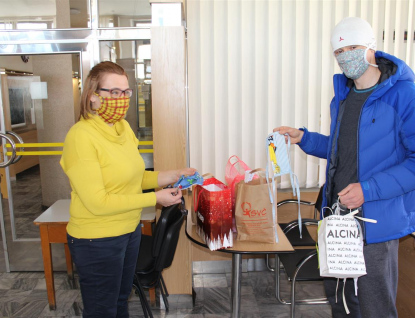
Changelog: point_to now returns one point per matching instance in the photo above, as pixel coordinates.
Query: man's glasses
(116, 92)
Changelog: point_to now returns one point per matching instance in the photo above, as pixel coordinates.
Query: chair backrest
(169, 244)
(169, 215)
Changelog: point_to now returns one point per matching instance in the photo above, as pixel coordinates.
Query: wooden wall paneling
(169, 131)
(169, 104)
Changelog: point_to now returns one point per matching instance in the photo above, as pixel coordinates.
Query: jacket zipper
(357, 163)
(333, 152)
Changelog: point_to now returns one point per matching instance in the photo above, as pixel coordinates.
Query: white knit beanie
(353, 31)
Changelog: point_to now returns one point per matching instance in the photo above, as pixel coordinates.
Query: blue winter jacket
(386, 151)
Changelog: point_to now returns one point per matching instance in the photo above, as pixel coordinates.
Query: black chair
(303, 264)
(291, 230)
(157, 253)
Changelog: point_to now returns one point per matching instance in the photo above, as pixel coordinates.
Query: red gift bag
(213, 206)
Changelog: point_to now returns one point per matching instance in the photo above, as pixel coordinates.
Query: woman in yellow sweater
(108, 176)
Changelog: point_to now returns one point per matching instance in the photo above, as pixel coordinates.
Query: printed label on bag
(343, 234)
(254, 218)
(341, 251)
(249, 212)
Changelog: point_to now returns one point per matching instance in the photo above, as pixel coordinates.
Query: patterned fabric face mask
(113, 110)
(353, 63)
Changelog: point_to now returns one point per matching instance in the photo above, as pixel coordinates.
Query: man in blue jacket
(371, 161)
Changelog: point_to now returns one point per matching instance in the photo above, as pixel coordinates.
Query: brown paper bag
(253, 211)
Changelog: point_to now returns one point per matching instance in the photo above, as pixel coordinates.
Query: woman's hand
(169, 196)
(295, 134)
(172, 176)
(184, 172)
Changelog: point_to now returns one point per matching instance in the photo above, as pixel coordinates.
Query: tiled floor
(23, 295)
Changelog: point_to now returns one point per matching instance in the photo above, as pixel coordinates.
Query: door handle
(13, 156)
(12, 133)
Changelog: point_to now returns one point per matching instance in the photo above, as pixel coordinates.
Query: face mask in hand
(113, 110)
(353, 63)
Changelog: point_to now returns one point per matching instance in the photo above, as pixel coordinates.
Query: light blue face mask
(278, 164)
(278, 154)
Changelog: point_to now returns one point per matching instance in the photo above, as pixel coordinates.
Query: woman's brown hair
(93, 84)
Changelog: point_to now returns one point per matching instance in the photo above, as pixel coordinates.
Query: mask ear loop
(374, 65)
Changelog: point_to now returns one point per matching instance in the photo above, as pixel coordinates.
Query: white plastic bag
(340, 248)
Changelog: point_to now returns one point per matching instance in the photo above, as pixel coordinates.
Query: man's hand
(352, 196)
(295, 134)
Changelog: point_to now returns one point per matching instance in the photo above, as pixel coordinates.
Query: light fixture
(39, 90)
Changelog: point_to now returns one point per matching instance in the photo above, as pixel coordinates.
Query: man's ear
(371, 55)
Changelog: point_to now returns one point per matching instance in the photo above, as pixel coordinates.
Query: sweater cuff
(152, 198)
(150, 180)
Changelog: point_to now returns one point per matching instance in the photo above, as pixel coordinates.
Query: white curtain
(256, 65)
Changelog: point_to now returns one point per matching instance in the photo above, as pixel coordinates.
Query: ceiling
(44, 8)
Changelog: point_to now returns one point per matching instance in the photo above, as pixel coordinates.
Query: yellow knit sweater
(107, 176)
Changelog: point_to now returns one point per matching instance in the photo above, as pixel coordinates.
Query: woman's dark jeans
(106, 270)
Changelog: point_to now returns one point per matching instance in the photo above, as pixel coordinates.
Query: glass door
(53, 57)
(38, 108)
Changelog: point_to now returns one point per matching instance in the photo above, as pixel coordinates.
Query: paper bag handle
(256, 170)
